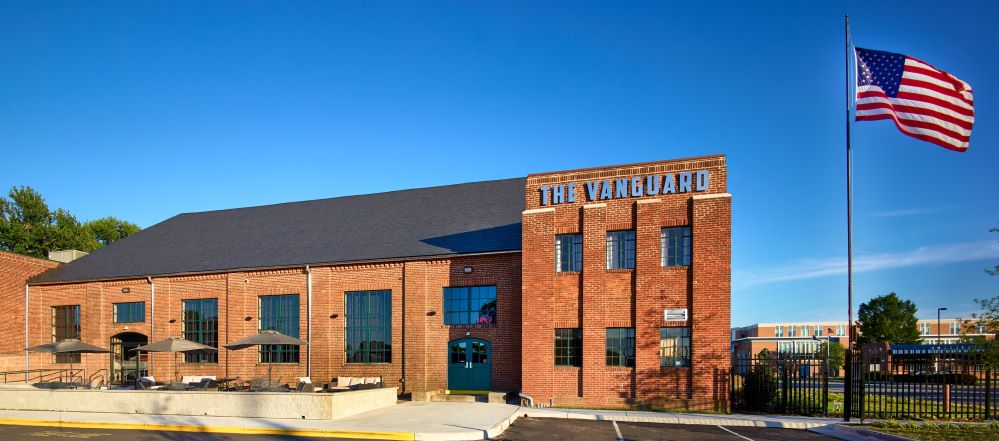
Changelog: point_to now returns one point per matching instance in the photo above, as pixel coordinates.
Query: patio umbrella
(175, 345)
(265, 337)
(69, 346)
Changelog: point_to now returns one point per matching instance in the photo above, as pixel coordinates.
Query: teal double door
(469, 368)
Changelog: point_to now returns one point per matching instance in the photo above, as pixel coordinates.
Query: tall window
(369, 326)
(569, 252)
(66, 324)
(792, 331)
(819, 331)
(279, 313)
(924, 328)
(201, 325)
(840, 330)
(980, 328)
(779, 331)
(568, 347)
(675, 246)
(806, 331)
(470, 305)
(955, 327)
(674, 346)
(621, 249)
(132, 312)
(621, 347)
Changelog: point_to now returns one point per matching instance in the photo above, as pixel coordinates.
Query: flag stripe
(931, 102)
(935, 138)
(943, 92)
(922, 122)
(947, 121)
(964, 119)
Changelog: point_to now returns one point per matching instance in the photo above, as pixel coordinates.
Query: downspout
(403, 379)
(152, 320)
(26, 345)
(308, 324)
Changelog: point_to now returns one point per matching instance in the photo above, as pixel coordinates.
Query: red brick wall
(15, 269)
(426, 337)
(597, 298)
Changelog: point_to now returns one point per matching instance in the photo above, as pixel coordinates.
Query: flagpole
(849, 189)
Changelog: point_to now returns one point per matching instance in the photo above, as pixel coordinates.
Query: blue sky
(143, 110)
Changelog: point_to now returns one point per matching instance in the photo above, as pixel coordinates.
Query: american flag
(925, 102)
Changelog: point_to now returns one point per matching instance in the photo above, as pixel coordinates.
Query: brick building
(14, 270)
(599, 286)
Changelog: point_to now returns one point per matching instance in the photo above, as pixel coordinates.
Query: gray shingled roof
(437, 221)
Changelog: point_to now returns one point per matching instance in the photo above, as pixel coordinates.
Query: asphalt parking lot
(530, 429)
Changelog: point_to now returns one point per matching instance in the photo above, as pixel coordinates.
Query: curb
(315, 433)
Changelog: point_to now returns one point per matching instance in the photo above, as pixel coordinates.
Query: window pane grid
(470, 305)
(280, 313)
(674, 346)
(621, 249)
(621, 347)
(201, 321)
(131, 312)
(675, 243)
(569, 252)
(65, 325)
(568, 347)
(369, 327)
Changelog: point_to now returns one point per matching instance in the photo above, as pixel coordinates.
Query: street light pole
(938, 323)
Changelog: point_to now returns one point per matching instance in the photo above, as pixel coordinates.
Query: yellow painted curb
(314, 433)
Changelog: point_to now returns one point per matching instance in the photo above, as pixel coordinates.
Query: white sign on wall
(675, 315)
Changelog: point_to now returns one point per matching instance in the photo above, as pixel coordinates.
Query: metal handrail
(42, 374)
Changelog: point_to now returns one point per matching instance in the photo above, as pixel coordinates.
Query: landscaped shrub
(760, 391)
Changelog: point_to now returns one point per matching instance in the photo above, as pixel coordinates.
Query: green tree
(27, 226)
(837, 355)
(988, 316)
(888, 318)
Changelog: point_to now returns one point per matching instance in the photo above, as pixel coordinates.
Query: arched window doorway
(127, 365)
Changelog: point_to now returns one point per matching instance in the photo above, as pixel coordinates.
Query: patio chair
(257, 384)
(205, 384)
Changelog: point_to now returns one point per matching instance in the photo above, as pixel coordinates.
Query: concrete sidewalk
(406, 421)
(781, 422)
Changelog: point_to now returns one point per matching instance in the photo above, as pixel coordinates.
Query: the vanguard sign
(634, 187)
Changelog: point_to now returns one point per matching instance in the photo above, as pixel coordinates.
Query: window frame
(358, 322)
(116, 314)
(280, 354)
(681, 243)
(204, 323)
(71, 324)
(570, 341)
(450, 299)
(778, 330)
(681, 345)
(623, 340)
(621, 250)
(574, 253)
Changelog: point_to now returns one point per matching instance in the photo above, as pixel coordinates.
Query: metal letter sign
(633, 187)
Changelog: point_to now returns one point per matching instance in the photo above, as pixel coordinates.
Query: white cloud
(906, 212)
(832, 266)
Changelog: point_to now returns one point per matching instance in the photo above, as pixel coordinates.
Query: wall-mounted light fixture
(468, 270)
(248, 318)
(333, 316)
(173, 320)
(126, 290)
(431, 313)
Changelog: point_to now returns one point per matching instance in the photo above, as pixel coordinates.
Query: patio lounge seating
(149, 383)
(264, 385)
(205, 384)
(305, 385)
(354, 383)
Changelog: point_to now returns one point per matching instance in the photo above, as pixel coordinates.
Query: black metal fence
(777, 382)
(919, 382)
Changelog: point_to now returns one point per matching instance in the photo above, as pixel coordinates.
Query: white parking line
(736, 434)
(618, 430)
